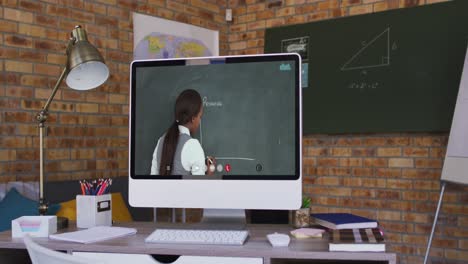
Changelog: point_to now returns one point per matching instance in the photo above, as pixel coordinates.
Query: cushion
(68, 210)
(120, 211)
(15, 205)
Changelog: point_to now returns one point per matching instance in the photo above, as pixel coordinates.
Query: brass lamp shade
(86, 66)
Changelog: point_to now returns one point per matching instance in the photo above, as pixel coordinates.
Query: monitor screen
(244, 130)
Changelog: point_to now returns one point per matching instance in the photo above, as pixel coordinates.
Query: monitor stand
(232, 219)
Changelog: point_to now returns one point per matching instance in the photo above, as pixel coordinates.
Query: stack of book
(349, 232)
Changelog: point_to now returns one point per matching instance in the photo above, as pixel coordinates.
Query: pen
(82, 188)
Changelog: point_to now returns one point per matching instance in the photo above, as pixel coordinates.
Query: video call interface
(250, 115)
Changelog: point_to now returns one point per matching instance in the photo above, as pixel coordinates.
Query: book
(307, 232)
(353, 240)
(343, 221)
(94, 234)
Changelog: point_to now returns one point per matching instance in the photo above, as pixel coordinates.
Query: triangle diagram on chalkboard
(375, 53)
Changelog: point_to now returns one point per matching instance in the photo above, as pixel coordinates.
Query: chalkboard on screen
(391, 71)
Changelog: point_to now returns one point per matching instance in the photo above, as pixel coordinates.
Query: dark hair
(187, 106)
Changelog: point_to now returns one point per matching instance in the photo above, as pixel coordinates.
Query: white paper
(458, 140)
(94, 234)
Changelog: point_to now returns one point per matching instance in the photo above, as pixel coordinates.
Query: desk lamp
(85, 69)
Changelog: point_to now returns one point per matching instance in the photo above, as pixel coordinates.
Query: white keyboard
(190, 236)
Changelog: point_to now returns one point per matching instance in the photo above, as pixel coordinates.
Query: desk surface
(257, 246)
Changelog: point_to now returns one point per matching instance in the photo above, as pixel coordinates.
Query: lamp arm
(45, 108)
(41, 117)
(57, 85)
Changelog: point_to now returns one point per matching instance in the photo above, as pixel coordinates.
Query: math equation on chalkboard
(363, 85)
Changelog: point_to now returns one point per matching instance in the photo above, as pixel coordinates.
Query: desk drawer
(116, 258)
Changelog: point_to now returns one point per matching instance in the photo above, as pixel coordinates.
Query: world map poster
(158, 38)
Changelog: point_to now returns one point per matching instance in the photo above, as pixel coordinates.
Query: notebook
(352, 240)
(94, 234)
(343, 221)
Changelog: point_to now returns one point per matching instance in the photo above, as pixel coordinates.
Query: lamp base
(62, 222)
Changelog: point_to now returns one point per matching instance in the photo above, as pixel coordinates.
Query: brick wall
(390, 177)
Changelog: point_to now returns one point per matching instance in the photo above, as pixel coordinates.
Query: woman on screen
(176, 152)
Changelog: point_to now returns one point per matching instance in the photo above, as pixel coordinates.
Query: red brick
(328, 181)
(83, 153)
(429, 141)
(266, 14)
(338, 12)
(18, 41)
(14, 91)
(57, 154)
(343, 152)
(380, 6)
(363, 152)
(437, 152)
(7, 154)
(351, 162)
(428, 163)
(376, 183)
(340, 171)
(286, 11)
(401, 162)
(388, 194)
(71, 95)
(18, 66)
(7, 129)
(421, 174)
(368, 193)
(304, 9)
(388, 152)
(387, 141)
(347, 142)
(255, 8)
(416, 152)
(399, 184)
(18, 15)
(8, 26)
(328, 161)
(313, 151)
(48, 21)
(427, 185)
(18, 117)
(388, 172)
(364, 172)
(352, 181)
(274, 22)
(361, 9)
(389, 215)
(32, 55)
(318, 16)
(375, 162)
(310, 141)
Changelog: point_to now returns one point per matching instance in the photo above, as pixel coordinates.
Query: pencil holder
(93, 210)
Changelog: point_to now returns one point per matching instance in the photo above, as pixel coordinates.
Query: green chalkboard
(392, 71)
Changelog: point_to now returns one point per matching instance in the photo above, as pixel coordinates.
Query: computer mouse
(278, 240)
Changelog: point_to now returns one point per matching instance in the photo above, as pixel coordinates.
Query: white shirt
(192, 156)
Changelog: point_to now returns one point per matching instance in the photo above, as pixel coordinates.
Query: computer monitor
(251, 125)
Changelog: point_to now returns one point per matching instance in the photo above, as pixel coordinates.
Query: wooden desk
(257, 246)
